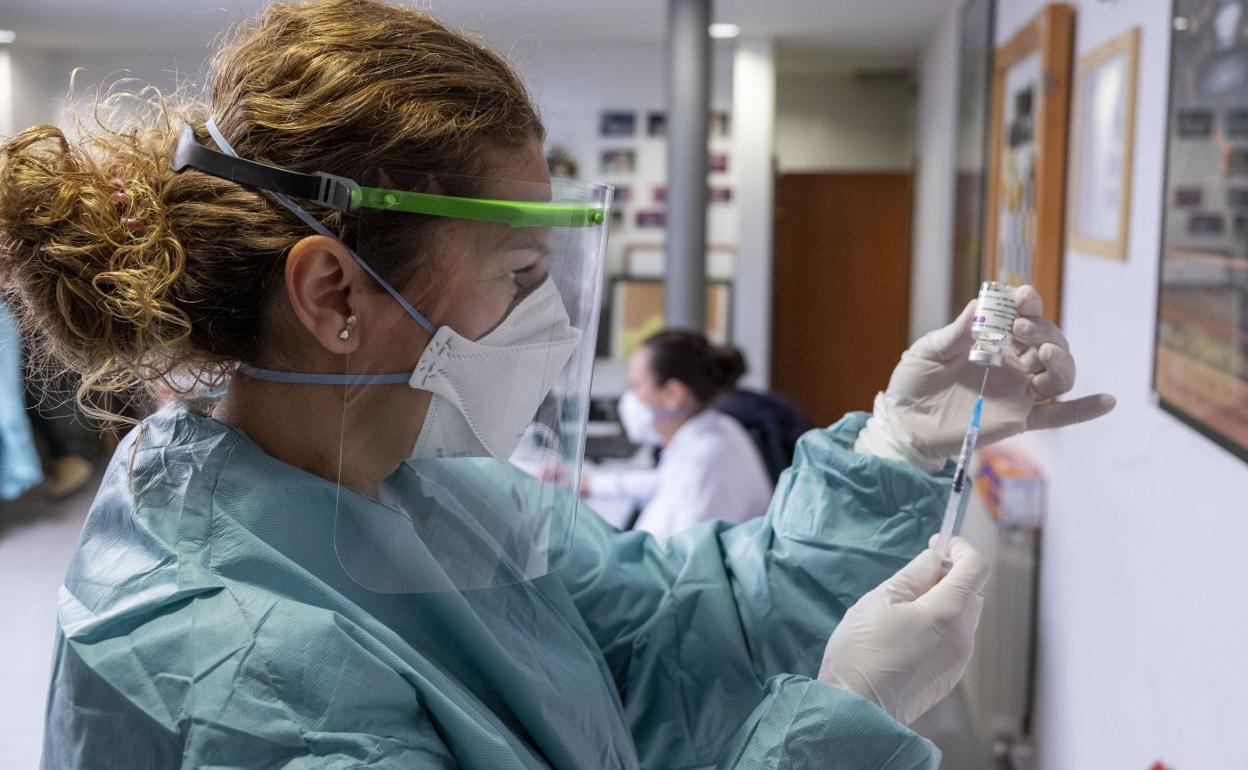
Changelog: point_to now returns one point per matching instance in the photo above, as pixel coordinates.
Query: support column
(688, 105)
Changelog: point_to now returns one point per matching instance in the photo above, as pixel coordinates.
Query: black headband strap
(326, 189)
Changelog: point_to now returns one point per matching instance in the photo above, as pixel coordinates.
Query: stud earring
(345, 334)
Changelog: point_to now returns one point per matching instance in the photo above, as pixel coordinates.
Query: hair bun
(705, 368)
(731, 364)
(92, 269)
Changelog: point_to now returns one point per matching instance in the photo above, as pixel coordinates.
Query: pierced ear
(320, 277)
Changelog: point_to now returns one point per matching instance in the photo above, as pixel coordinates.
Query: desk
(618, 512)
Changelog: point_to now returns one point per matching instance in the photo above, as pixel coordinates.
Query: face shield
(463, 411)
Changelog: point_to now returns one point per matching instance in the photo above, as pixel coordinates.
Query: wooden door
(841, 302)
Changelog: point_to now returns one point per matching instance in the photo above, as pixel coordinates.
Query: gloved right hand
(906, 643)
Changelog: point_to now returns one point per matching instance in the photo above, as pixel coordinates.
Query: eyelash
(515, 275)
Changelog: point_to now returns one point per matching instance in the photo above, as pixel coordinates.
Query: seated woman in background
(710, 468)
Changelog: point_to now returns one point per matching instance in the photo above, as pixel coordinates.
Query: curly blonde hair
(127, 272)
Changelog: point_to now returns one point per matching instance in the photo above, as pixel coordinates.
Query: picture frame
(1103, 151)
(1027, 163)
(618, 161)
(1200, 352)
(635, 311)
(650, 219)
(617, 124)
(656, 124)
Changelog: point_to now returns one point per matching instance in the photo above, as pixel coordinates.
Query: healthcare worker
(710, 468)
(335, 563)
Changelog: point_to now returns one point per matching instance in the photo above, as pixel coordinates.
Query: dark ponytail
(708, 370)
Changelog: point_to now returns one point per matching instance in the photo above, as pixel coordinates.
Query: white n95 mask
(486, 392)
(638, 419)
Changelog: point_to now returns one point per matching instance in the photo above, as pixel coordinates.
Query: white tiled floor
(36, 541)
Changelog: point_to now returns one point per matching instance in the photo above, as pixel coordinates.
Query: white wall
(1142, 620)
(935, 169)
(835, 122)
(32, 93)
(41, 76)
(6, 92)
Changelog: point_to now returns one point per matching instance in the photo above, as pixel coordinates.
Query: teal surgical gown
(206, 622)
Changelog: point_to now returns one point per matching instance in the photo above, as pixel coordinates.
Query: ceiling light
(723, 31)
(7, 36)
(1180, 23)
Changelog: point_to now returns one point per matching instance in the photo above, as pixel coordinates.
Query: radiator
(997, 688)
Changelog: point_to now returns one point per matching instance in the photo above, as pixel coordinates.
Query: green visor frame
(344, 194)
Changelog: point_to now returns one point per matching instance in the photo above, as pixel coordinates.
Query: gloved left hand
(922, 416)
(906, 643)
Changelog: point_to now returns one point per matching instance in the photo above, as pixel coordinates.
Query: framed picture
(1206, 224)
(1104, 136)
(656, 124)
(636, 311)
(1236, 161)
(617, 123)
(561, 162)
(1189, 197)
(619, 161)
(717, 163)
(1027, 163)
(652, 218)
(1200, 366)
(975, 52)
(1235, 124)
(721, 125)
(1194, 124)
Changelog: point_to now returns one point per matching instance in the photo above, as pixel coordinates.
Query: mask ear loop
(321, 229)
(342, 439)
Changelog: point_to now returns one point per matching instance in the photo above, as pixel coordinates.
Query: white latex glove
(906, 643)
(923, 414)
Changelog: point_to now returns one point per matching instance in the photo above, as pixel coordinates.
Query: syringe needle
(955, 508)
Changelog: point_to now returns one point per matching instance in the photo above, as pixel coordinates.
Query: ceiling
(882, 29)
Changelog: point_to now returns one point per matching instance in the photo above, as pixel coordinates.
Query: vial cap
(985, 358)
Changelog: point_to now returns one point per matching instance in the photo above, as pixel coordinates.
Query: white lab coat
(709, 470)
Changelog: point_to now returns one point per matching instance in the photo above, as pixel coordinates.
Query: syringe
(951, 524)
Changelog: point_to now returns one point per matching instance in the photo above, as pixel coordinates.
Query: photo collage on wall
(1201, 362)
(643, 207)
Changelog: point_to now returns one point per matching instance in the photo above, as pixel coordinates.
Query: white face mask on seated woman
(638, 419)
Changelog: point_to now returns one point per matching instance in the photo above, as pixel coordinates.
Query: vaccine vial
(993, 326)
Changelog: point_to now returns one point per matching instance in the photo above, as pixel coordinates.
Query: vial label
(995, 312)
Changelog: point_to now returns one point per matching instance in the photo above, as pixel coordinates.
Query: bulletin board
(1200, 371)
